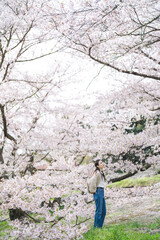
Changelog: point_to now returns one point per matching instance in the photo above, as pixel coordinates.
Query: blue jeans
(100, 212)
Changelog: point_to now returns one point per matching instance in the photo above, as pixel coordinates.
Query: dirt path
(143, 208)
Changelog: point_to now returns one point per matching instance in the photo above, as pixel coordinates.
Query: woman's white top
(101, 184)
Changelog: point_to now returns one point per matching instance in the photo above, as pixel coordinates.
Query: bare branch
(81, 222)
(6, 134)
(44, 55)
(5, 51)
(95, 77)
(6, 71)
(24, 36)
(139, 27)
(155, 98)
(155, 109)
(122, 70)
(23, 80)
(147, 55)
(56, 221)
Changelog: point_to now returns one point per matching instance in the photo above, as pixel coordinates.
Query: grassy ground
(141, 182)
(3, 227)
(127, 231)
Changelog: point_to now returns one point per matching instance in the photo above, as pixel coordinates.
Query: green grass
(4, 226)
(141, 182)
(127, 231)
(154, 225)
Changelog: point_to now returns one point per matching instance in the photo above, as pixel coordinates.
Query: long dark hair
(96, 163)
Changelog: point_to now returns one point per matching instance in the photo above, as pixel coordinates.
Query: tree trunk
(1, 156)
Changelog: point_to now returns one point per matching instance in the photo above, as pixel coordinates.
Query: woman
(98, 195)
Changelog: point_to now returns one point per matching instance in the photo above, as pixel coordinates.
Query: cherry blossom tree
(24, 38)
(26, 110)
(50, 194)
(113, 125)
(122, 35)
(56, 200)
(119, 35)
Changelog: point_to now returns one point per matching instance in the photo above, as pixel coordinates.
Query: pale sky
(85, 78)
